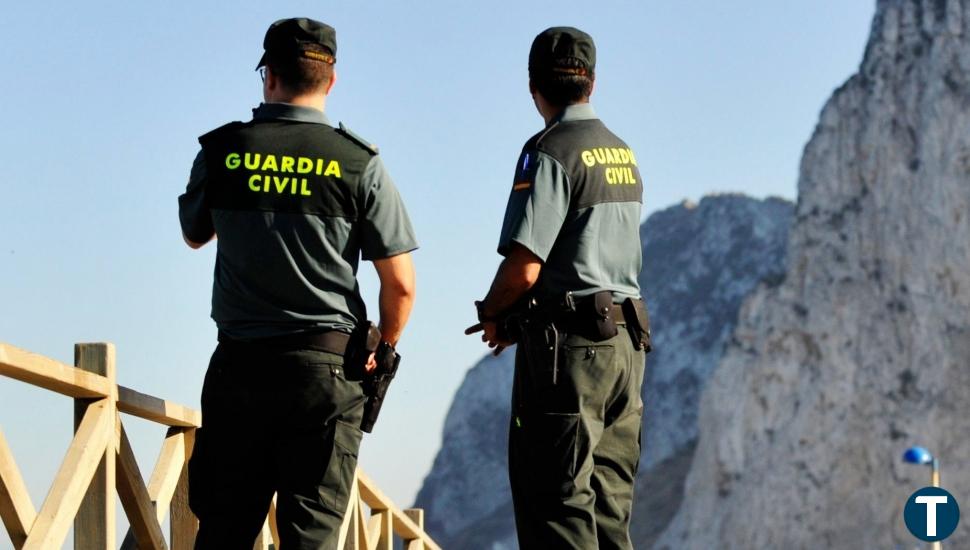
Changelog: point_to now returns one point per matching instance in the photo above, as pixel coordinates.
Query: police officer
(567, 293)
(294, 203)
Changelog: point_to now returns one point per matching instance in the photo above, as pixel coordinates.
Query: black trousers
(274, 421)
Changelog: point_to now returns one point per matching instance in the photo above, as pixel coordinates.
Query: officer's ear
(271, 80)
(333, 80)
(269, 84)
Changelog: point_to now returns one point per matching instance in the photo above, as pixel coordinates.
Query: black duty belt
(577, 324)
(331, 341)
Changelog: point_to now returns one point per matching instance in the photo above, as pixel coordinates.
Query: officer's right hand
(371, 363)
(490, 336)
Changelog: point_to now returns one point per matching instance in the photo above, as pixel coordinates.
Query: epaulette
(230, 126)
(544, 133)
(357, 139)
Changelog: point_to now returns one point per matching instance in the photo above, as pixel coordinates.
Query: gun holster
(637, 323)
(377, 382)
(364, 341)
(540, 341)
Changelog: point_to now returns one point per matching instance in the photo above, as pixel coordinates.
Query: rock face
(469, 481)
(864, 348)
(713, 254)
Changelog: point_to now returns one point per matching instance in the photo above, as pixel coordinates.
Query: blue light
(917, 455)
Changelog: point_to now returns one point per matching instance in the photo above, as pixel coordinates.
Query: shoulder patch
(343, 130)
(230, 126)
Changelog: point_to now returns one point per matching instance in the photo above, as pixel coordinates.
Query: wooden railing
(100, 462)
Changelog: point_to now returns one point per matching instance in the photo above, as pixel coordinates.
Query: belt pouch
(598, 309)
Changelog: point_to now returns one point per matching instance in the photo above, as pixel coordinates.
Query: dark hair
(566, 83)
(301, 75)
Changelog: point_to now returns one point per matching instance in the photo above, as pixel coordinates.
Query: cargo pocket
(340, 472)
(550, 447)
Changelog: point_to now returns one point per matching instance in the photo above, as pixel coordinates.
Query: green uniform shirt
(575, 203)
(283, 272)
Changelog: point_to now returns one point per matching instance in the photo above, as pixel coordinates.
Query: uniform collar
(286, 111)
(576, 111)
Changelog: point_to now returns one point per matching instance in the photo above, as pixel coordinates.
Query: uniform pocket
(320, 466)
(589, 370)
(549, 448)
(340, 474)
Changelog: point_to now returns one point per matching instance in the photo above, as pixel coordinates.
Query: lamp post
(922, 457)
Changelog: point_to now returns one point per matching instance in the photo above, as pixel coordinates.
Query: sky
(103, 102)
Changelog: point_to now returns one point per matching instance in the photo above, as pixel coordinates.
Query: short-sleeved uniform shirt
(288, 253)
(575, 204)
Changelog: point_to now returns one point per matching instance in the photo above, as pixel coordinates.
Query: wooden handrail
(157, 410)
(51, 375)
(100, 463)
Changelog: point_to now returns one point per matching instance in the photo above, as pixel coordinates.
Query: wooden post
(386, 521)
(417, 516)
(184, 525)
(94, 525)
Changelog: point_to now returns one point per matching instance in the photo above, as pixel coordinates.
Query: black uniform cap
(297, 37)
(559, 49)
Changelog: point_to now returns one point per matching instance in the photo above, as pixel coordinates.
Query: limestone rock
(864, 348)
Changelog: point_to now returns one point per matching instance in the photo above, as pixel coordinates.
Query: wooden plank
(157, 410)
(83, 457)
(16, 509)
(348, 539)
(165, 477)
(49, 374)
(406, 528)
(348, 529)
(370, 494)
(274, 530)
(145, 528)
(184, 525)
(416, 515)
(263, 539)
(94, 524)
(168, 470)
(425, 539)
(382, 524)
(363, 542)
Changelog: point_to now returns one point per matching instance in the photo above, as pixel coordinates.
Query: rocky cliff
(699, 262)
(864, 348)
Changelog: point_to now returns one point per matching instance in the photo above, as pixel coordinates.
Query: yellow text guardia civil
(270, 164)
